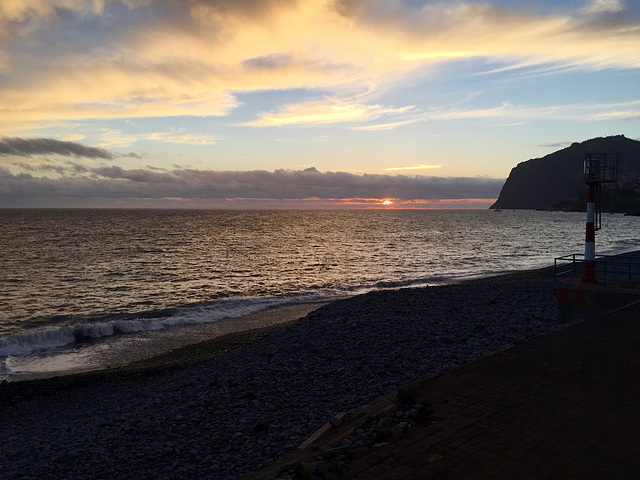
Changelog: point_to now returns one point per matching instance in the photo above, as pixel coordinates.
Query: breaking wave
(45, 339)
(42, 340)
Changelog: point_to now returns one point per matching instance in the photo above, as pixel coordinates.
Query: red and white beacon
(599, 168)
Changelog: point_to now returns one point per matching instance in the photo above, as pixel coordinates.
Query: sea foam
(21, 344)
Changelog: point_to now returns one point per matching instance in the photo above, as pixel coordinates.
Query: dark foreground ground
(563, 406)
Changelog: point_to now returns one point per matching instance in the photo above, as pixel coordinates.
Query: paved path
(563, 406)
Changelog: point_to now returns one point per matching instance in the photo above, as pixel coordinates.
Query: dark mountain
(556, 181)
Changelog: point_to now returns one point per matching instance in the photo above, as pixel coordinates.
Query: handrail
(619, 268)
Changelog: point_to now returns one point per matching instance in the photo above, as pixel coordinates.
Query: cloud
(28, 147)
(175, 137)
(557, 146)
(414, 167)
(329, 110)
(144, 58)
(600, 6)
(112, 138)
(73, 137)
(20, 10)
(113, 182)
(582, 111)
(269, 62)
(388, 126)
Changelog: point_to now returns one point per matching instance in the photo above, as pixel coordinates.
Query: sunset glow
(418, 100)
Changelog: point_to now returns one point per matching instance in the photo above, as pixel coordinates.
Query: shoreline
(222, 337)
(255, 396)
(174, 347)
(181, 358)
(219, 338)
(192, 353)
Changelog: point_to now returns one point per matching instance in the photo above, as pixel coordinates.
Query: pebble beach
(224, 408)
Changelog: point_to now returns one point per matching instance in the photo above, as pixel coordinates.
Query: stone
(261, 427)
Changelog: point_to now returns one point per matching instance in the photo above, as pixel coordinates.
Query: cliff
(556, 181)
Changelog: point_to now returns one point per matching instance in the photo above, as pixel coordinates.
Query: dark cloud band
(116, 182)
(27, 147)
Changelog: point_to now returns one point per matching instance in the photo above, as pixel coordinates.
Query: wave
(87, 330)
(26, 343)
(5, 369)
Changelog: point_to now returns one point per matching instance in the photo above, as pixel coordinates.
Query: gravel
(225, 417)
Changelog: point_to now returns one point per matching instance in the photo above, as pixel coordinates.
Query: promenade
(565, 406)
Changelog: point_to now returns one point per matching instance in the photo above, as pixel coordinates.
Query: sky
(302, 103)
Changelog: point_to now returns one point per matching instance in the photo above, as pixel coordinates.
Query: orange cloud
(325, 111)
(414, 167)
(388, 126)
(178, 137)
(193, 58)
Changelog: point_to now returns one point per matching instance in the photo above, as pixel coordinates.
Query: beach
(223, 408)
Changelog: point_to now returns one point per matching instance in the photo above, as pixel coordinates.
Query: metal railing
(608, 268)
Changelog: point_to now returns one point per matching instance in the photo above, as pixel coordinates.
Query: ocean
(80, 288)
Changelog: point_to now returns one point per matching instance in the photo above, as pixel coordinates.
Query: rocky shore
(225, 408)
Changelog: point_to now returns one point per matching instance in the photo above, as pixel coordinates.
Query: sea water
(78, 283)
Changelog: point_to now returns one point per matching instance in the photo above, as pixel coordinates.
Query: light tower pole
(599, 168)
(590, 237)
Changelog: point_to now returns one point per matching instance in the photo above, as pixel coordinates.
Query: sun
(387, 202)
